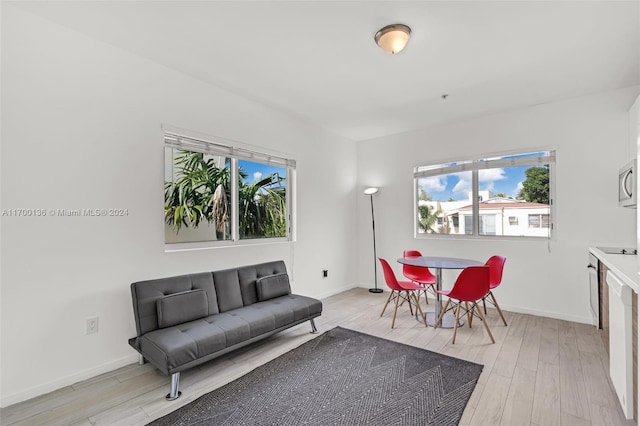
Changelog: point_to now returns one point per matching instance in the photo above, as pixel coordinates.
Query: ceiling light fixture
(393, 38)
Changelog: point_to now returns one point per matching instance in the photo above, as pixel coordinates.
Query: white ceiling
(318, 59)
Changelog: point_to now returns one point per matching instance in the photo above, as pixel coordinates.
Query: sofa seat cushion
(174, 346)
(291, 308)
(258, 318)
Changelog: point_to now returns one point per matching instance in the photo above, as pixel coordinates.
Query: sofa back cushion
(178, 308)
(273, 286)
(227, 289)
(249, 275)
(146, 293)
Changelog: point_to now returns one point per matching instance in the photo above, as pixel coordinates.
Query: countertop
(626, 267)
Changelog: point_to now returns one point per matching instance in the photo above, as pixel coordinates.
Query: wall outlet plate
(92, 325)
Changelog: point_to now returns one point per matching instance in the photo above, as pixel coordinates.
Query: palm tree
(201, 192)
(427, 215)
(263, 207)
(191, 197)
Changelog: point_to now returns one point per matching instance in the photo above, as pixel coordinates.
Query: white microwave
(627, 185)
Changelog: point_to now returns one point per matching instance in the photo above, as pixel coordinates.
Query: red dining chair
(420, 275)
(404, 290)
(471, 286)
(496, 265)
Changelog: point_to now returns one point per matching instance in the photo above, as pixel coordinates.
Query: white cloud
(434, 184)
(463, 185)
(519, 187)
(257, 176)
(486, 175)
(489, 176)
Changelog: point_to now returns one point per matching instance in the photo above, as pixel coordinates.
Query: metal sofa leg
(141, 360)
(175, 383)
(314, 330)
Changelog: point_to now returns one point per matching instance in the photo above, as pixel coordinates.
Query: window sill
(211, 245)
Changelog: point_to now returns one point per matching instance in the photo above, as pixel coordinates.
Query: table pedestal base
(448, 320)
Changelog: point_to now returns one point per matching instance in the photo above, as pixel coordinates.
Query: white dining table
(438, 263)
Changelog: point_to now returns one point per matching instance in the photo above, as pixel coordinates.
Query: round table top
(439, 262)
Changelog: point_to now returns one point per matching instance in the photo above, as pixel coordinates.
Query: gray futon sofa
(190, 319)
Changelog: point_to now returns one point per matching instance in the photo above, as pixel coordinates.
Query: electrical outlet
(325, 273)
(92, 325)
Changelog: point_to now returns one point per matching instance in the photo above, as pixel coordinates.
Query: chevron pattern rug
(341, 378)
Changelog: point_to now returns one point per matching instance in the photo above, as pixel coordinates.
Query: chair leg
(424, 317)
(484, 305)
(442, 311)
(486, 326)
(455, 326)
(388, 299)
(408, 298)
(426, 299)
(497, 307)
(469, 315)
(395, 311)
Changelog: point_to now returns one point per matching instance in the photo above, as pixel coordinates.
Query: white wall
(591, 137)
(81, 128)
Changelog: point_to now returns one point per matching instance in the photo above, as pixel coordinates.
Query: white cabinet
(620, 342)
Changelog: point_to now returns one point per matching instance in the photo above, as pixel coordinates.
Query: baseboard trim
(334, 291)
(6, 400)
(547, 314)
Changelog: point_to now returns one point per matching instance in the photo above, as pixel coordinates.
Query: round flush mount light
(393, 38)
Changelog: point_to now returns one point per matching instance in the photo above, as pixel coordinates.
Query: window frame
(235, 151)
(486, 161)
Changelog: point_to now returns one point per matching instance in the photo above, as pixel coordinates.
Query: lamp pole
(370, 192)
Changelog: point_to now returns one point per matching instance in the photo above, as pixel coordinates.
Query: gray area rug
(341, 378)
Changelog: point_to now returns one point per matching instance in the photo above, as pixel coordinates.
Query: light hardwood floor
(540, 371)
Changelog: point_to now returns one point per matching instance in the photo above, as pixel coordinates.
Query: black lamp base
(375, 290)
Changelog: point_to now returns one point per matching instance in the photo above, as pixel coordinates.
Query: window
(225, 194)
(506, 195)
(538, 221)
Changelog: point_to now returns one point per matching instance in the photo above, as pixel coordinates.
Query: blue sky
(256, 171)
(458, 185)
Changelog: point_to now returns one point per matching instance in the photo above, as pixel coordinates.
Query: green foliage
(201, 192)
(424, 196)
(263, 208)
(189, 199)
(427, 217)
(535, 187)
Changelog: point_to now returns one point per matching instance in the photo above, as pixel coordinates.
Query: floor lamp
(370, 192)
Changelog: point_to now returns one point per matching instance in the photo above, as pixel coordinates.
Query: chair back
(416, 273)
(496, 265)
(389, 276)
(412, 253)
(472, 284)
